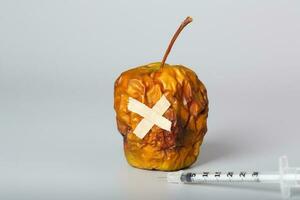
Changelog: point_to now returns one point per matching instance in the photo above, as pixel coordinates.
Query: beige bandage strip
(151, 116)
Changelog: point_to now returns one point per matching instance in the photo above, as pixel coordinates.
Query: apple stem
(180, 28)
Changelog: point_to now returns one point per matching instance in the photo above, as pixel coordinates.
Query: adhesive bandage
(152, 116)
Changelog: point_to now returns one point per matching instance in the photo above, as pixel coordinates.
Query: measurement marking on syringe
(219, 176)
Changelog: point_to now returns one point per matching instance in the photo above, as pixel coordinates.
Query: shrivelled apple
(160, 149)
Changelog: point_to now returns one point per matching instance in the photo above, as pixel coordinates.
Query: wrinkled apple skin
(160, 149)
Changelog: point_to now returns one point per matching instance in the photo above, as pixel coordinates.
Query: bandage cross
(152, 116)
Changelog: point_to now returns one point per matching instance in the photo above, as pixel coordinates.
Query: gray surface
(58, 61)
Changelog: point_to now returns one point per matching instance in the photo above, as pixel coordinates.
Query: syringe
(287, 177)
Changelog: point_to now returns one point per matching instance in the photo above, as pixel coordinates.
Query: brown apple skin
(160, 149)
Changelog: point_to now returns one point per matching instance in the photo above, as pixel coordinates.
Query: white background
(58, 63)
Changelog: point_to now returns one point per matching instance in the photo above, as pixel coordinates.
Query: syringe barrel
(275, 177)
(206, 177)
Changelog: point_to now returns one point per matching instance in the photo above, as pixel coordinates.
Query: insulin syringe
(287, 177)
